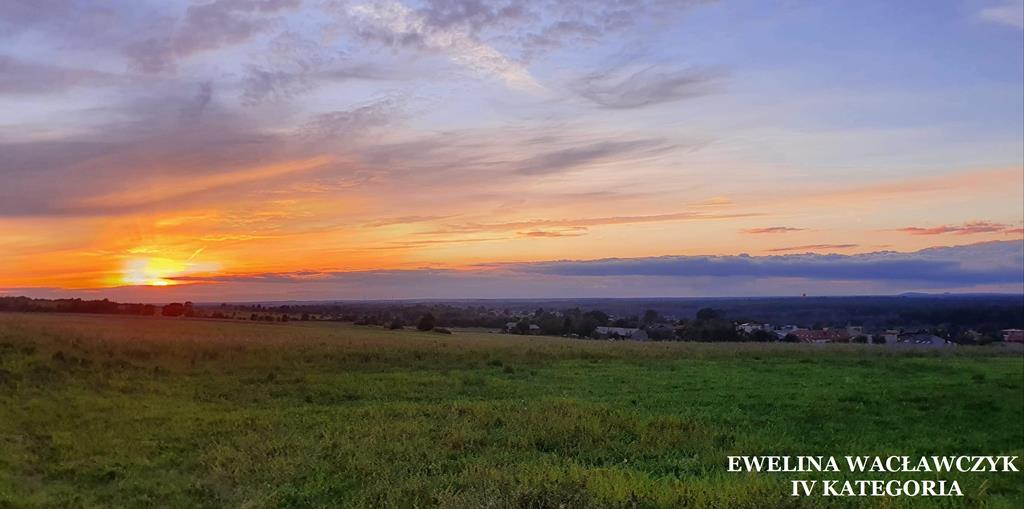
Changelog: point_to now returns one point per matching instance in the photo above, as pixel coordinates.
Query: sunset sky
(319, 149)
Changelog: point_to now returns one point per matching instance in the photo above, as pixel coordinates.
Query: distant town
(940, 321)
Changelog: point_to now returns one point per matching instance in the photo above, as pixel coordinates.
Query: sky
(335, 149)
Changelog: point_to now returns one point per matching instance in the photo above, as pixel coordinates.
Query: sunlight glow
(161, 271)
(152, 271)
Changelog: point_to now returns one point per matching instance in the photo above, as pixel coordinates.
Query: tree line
(963, 321)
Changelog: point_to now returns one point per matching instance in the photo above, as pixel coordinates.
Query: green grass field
(106, 411)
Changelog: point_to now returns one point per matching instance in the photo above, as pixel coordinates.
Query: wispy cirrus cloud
(188, 145)
(161, 191)
(1009, 13)
(773, 229)
(968, 228)
(294, 65)
(529, 27)
(355, 121)
(392, 23)
(464, 31)
(577, 156)
(205, 27)
(264, 83)
(980, 180)
(88, 24)
(566, 232)
(23, 77)
(637, 87)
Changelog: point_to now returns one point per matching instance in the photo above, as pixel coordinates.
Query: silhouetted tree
(598, 316)
(567, 325)
(173, 309)
(523, 327)
(629, 322)
(550, 324)
(426, 322)
(651, 316)
(707, 314)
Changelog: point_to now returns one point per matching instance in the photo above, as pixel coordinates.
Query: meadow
(122, 411)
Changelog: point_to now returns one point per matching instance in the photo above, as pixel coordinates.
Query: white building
(751, 327)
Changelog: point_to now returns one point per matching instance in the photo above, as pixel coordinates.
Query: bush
(440, 330)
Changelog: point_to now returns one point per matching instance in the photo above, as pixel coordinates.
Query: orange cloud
(166, 188)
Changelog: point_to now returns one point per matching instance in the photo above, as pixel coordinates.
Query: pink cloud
(773, 229)
(969, 228)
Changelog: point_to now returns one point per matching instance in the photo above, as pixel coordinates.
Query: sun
(152, 271)
(163, 270)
